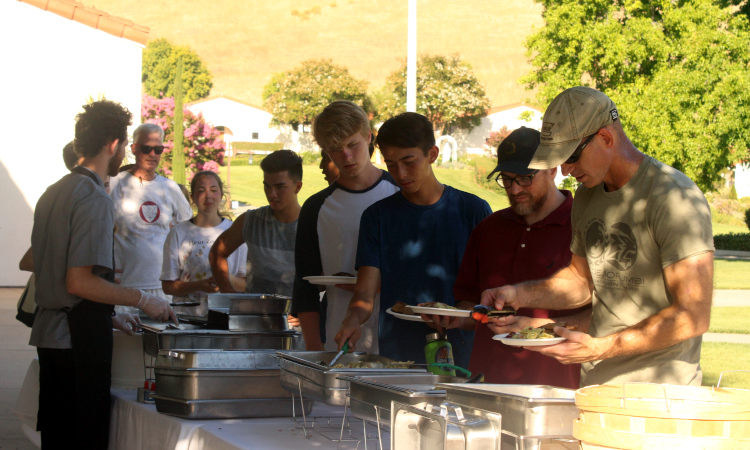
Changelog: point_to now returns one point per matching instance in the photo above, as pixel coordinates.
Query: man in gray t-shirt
(74, 266)
(269, 232)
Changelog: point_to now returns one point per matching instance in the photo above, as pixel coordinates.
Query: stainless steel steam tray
(224, 319)
(231, 409)
(300, 370)
(527, 410)
(215, 339)
(239, 303)
(218, 375)
(368, 392)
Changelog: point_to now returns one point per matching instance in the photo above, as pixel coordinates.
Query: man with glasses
(147, 206)
(642, 252)
(527, 241)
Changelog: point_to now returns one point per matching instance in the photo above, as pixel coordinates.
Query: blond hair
(339, 121)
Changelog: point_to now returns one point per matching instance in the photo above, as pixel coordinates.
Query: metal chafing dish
(443, 427)
(220, 384)
(532, 414)
(300, 371)
(218, 374)
(223, 319)
(231, 408)
(155, 339)
(370, 396)
(239, 303)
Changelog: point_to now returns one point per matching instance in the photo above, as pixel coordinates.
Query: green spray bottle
(439, 350)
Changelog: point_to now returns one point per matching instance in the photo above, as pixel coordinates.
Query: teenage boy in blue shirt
(411, 244)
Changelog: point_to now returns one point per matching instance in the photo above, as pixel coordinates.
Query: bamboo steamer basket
(646, 416)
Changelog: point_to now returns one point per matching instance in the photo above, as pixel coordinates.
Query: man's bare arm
(310, 324)
(360, 306)
(690, 283)
(568, 288)
(226, 244)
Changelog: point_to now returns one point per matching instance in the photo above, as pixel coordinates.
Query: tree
(448, 93)
(678, 72)
(160, 67)
(203, 145)
(297, 96)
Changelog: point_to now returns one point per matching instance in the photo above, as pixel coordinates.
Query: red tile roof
(91, 17)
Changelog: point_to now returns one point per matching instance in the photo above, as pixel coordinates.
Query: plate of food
(332, 280)
(531, 337)
(440, 309)
(403, 311)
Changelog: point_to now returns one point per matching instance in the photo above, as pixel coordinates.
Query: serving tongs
(483, 314)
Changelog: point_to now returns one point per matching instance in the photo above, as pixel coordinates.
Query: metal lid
(433, 337)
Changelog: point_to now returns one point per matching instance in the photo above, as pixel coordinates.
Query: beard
(113, 167)
(530, 206)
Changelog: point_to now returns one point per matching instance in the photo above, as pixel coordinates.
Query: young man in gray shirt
(72, 242)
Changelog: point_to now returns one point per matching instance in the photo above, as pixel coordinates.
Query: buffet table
(139, 426)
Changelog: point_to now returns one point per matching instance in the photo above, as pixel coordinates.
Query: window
(255, 135)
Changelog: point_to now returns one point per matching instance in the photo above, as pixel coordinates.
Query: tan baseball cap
(574, 114)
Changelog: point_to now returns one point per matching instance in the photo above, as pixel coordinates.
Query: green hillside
(245, 42)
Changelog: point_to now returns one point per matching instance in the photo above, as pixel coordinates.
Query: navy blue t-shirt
(418, 250)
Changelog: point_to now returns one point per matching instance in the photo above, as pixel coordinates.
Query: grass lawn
(247, 184)
(720, 228)
(731, 274)
(730, 320)
(718, 356)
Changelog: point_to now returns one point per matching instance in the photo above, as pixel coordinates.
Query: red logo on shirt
(150, 212)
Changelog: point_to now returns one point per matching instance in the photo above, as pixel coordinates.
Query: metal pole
(411, 59)
(230, 150)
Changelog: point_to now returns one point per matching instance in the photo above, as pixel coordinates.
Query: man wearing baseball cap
(642, 252)
(527, 241)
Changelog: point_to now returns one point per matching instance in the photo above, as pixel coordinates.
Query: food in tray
(403, 308)
(544, 332)
(373, 365)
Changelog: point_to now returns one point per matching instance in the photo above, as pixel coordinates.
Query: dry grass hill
(245, 41)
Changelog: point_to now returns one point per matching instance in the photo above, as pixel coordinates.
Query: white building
(249, 123)
(742, 180)
(56, 54)
(511, 116)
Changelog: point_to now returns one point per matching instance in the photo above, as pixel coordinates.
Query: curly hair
(99, 124)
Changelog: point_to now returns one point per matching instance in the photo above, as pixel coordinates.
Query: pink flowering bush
(204, 148)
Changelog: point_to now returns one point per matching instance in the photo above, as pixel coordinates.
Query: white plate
(440, 311)
(526, 342)
(330, 281)
(407, 316)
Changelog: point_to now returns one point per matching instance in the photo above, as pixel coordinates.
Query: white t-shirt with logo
(145, 211)
(186, 259)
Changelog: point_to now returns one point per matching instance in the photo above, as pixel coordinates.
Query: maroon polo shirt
(502, 250)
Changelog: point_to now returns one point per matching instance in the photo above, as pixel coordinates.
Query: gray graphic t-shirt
(628, 237)
(270, 253)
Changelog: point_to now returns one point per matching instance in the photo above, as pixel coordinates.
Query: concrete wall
(51, 65)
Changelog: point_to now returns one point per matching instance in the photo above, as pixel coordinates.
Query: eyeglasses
(523, 181)
(146, 149)
(577, 154)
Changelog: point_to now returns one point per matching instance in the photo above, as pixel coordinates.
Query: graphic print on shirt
(149, 211)
(618, 248)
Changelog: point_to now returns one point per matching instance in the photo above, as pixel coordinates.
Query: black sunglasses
(577, 154)
(146, 149)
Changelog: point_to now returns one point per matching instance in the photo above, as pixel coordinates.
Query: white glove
(156, 308)
(126, 322)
